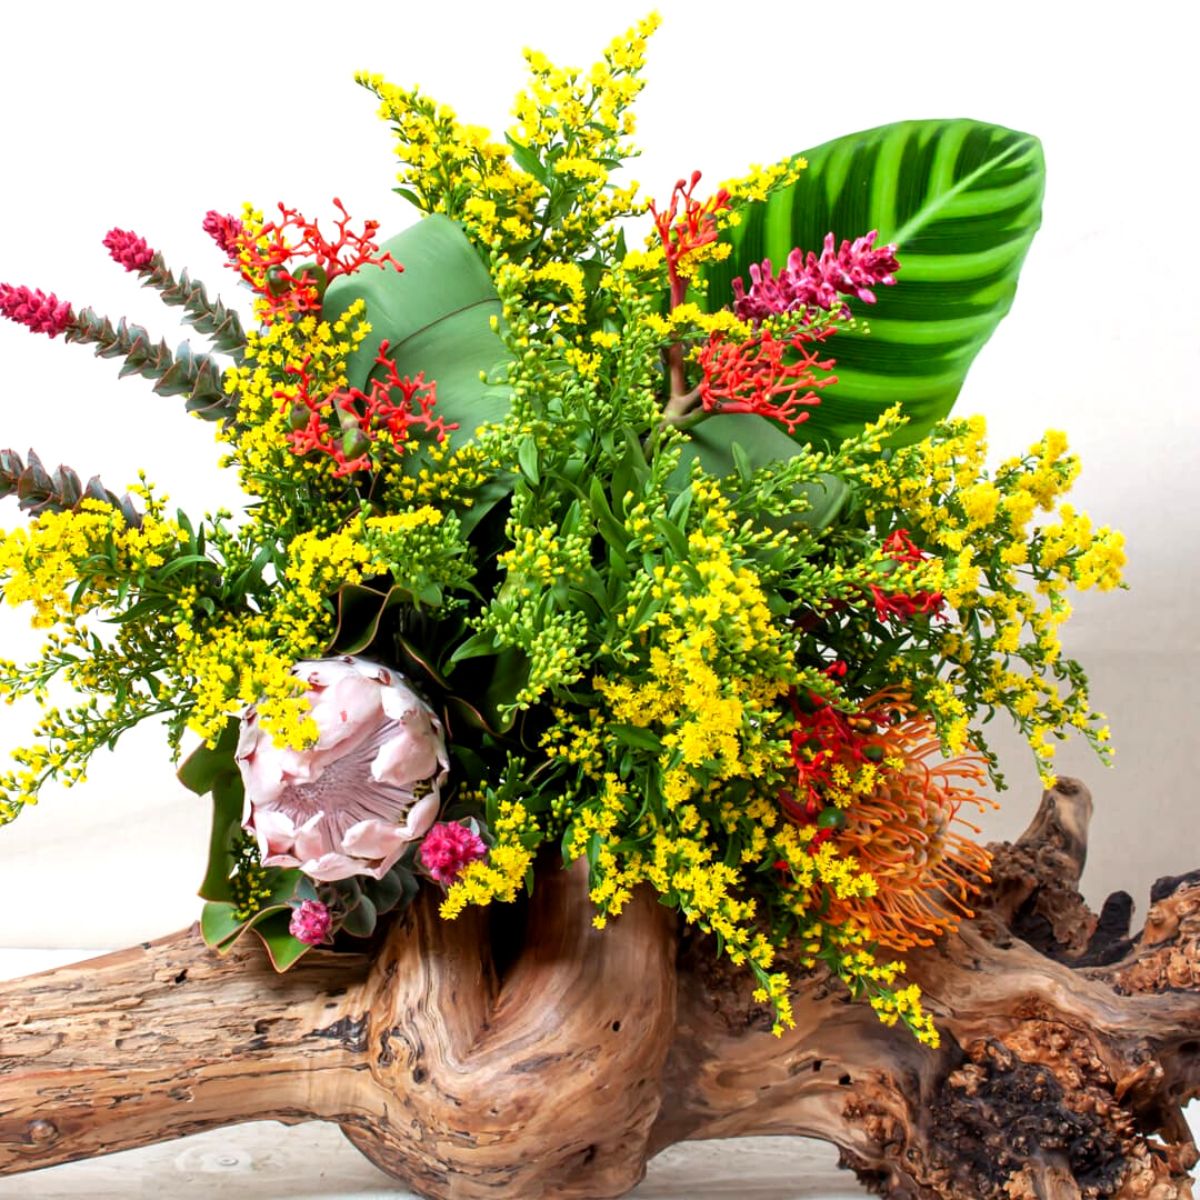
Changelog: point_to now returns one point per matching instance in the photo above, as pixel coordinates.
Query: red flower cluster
(766, 375)
(685, 226)
(822, 737)
(264, 259)
(128, 250)
(809, 284)
(899, 604)
(364, 419)
(35, 309)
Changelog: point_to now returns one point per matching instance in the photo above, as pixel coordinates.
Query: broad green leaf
(218, 924)
(720, 441)
(435, 316)
(962, 201)
(222, 928)
(201, 768)
(227, 794)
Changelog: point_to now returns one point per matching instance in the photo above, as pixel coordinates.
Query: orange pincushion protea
(904, 832)
(876, 785)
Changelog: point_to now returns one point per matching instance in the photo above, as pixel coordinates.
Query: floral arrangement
(583, 526)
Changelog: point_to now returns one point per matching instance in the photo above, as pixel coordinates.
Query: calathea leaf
(962, 200)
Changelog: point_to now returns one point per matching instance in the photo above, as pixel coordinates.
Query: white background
(145, 116)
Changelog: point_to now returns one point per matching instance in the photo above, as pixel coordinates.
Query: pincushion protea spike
(875, 785)
(905, 832)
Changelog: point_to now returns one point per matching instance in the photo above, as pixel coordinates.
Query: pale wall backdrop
(146, 115)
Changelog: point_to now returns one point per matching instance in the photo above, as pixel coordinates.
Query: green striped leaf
(962, 200)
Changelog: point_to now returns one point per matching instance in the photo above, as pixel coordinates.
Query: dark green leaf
(228, 795)
(201, 768)
(283, 950)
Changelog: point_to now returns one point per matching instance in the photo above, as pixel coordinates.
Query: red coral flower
(771, 377)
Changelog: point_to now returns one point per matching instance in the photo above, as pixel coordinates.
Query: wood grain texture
(519, 1052)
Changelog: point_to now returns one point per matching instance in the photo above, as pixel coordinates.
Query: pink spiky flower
(448, 849)
(126, 248)
(224, 229)
(35, 309)
(809, 282)
(311, 923)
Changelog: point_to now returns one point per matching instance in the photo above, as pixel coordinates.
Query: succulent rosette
(354, 801)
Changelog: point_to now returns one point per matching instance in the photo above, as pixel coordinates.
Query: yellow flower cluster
(550, 194)
(453, 168)
(241, 658)
(503, 873)
(259, 439)
(986, 545)
(41, 564)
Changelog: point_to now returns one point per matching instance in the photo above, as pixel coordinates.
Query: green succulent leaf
(436, 318)
(962, 200)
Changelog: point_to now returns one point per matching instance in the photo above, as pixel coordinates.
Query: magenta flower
(352, 803)
(128, 249)
(448, 849)
(311, 923)
(224, 229)
(33, 308)
(808, 283)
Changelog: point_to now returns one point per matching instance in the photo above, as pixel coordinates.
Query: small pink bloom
(224, 229)
(311, 923)
(352, 803)
(128, 249)
(448, 849)
(809, 282)
(32, 307)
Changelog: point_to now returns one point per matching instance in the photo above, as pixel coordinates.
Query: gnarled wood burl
(544, 1059)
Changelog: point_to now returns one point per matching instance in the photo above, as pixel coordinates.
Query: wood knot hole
(42, 1133)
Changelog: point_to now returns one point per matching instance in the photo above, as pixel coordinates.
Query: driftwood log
(520, 1053)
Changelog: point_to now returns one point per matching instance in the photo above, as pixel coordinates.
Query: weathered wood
(519, 1052)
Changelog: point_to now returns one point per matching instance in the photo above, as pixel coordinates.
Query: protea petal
(351, 803)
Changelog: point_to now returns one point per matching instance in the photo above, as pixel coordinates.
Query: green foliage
(962, 200)
(437, 318)
(184, 373)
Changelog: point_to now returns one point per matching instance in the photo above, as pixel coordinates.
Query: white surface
(146, 115)
(270, 1161)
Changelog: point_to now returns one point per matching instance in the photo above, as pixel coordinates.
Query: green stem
(183, 373)
(220, 325)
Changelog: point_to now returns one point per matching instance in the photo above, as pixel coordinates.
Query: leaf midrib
(925, 216)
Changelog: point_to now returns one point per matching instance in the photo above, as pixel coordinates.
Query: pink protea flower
(351, 804)
(809, 282)
(128, 249)
(224, 229)
(32, 307)
(311, 923)
(448, 849)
